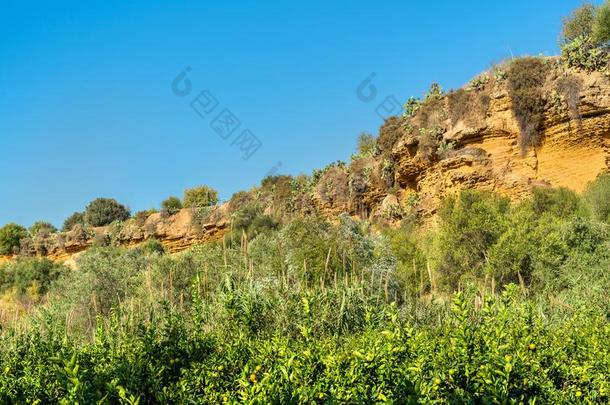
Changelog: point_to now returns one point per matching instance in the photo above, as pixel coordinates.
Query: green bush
(601, 26)
(560, 202)
(526, 77)
(583, 53)
(251, 220)
(42, 228)
(171, 205)
(78, 218)
(504, 351)
(104, 211)
(367, 144)
(200, 197)
(152, 246)
(27, 273)
(579, 24)
(412, 273)
(10, 238)
(469, 226)
(319, 312)
(279, 189)
(597, 195)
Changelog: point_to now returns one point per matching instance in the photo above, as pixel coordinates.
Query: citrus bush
(504, 351)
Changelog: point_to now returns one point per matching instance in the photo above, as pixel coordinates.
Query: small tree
(200, 197)
(579, 23)
(72, 220)
(104, 211)
(601, 26)
(597, 195)
(42, 227)
(10, 238)
(171, 205)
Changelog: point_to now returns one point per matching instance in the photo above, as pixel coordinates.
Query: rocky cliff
(486, 153)
(469, 138)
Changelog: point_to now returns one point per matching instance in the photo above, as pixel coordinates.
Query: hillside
(460, 256)
(465, 139)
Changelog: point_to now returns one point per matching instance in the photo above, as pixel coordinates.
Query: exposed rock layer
(485, 155)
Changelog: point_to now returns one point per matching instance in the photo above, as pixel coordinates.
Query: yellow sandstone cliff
(484, 153)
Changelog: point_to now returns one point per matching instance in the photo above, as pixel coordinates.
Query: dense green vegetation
(501, 303)
(104, 211)
(200, 197)
(10, 238)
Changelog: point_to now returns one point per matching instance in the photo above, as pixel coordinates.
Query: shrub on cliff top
(601, 26)
(10, 238)
(104, 211)
(367, 144)
(171, 205)
(389, 133)
(200, 197)
(579, 23)
(42, 227)
(78, 218)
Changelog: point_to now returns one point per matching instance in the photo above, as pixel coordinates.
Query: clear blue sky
(87, 110)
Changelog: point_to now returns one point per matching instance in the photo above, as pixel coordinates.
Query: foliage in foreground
(313, 312)
(501, 352)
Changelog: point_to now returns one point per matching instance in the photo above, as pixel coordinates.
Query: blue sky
(87, 108)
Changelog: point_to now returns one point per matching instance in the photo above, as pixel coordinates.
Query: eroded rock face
(176, 232)
(485, 154)
(488, 156)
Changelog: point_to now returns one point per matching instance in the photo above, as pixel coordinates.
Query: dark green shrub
(470, 224)
(586, 235)
(26, 273)
(10, 238)
(42, 228)
(560, 202)
(597, 195)
(251, 220)
(172, 205)
(526, 77)
(270, 183)
(104, 211)
(152, 246)
(200, 197)
(74, 219)
(601, 26)
(579, 23)
(411, 272)
(280, 189)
